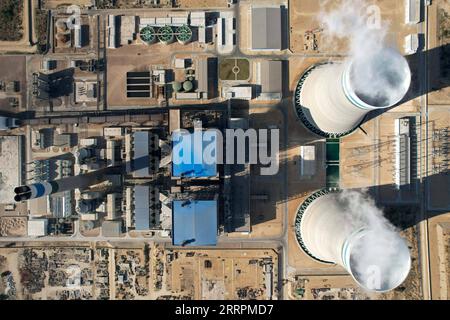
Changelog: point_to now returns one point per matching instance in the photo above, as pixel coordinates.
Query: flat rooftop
(266, 28)
(194, 222)
(189, 158)
(10, 175)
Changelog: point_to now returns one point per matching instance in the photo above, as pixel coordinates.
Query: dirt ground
(13, 226)
(202, 3)
(53, 4)
(13, 68)
(303, 16)
(439, 229)
(220, 274)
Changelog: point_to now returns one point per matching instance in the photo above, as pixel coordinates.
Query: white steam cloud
(380, 75)
(380, 259)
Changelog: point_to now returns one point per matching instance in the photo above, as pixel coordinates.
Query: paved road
(424, 245)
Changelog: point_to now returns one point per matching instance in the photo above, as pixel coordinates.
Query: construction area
(91, 271)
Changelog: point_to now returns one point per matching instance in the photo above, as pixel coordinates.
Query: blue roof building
(194, 222)
(195, 159)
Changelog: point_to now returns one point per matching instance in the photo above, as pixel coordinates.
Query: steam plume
(379, 72)
(381, 247)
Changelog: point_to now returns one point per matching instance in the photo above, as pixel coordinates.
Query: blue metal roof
(187, 159)
(194, 222)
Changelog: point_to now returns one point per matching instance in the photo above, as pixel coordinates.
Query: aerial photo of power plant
(224, 150)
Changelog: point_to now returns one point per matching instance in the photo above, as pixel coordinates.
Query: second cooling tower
(377, 257)
(330, 98)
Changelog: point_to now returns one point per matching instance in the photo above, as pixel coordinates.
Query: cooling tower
(328, 234)
(332, 99)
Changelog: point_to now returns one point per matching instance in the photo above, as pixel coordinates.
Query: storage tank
(148, 35)
(188, 86)
(184, 34)
(165, 35)
(176, 86)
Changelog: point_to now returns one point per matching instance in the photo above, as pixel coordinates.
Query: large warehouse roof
(194, 222)
(266, 28)
(142, 207)
(185, 151)
(271, 76)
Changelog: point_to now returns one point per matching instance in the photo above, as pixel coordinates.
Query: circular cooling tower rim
(346, 255)
(298, 108)
(357, 101)
(298, 221)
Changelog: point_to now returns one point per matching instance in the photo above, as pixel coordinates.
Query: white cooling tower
(328, 234)
(332, 99)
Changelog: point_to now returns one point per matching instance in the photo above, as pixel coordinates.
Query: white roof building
(411, 43)
(37, 227)
(198, 19)
(412, 11)
(242, 93)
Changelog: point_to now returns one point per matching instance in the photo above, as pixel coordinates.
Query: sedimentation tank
(184, 34)
(165, 34)
(333, 98)
(327, 232)
(148, 34)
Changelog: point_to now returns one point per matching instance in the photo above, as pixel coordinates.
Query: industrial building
(226, 32)
(307, 161)
(413, 11)
(53, 85)
(194, 222)
(411, 45)
(189, 155)
(142, 153)
(111, 29)
(11, 150)
(271, 79)
(402, 152)
(266, 29)
(37, 227)
(112, 228)
(143, 208)
(128, 29)
(241, 92)
(85, 91)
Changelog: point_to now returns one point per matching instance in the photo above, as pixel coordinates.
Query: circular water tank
(165, 34)
(148, 35)
(187, 86)
(176, 86)
(184, 34)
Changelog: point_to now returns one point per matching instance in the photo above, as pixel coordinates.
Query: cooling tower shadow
(403, 208)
